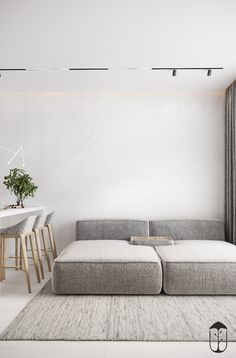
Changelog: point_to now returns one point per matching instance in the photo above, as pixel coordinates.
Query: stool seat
(22, 227)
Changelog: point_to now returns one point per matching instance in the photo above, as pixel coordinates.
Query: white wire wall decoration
(21, 150)
(15, 153)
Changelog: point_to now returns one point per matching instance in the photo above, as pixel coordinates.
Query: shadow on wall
(64, 233)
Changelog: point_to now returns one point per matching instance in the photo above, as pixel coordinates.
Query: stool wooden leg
(1, 259)
(39, 252)
(20, 259)
(16, 253)
(25, 261)
(52, 241)
(46, 250)
(34, 255)
(4, 258)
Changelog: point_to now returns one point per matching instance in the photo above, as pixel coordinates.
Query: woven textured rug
(121, 318)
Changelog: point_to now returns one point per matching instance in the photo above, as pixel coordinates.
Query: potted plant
(21, 184)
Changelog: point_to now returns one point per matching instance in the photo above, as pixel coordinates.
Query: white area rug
(121, 318)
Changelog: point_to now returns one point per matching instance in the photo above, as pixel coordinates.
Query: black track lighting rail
(173, 69)
(186, 68)
(107, 69)
(12, 69)
(89, 69)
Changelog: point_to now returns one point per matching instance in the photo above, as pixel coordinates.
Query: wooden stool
(37, 229)
(49, 227)
(43, 230)
(21, 232)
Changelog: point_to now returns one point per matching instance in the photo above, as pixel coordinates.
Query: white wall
(129, 155)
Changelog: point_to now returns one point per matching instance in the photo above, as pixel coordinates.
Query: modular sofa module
(200, 262)
(102, 261)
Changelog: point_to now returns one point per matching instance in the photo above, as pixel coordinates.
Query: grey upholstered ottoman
(199, 267)
(101, 260)
(107, 267)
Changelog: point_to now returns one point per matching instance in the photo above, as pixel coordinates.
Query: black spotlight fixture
(209, 72)
(174, 73)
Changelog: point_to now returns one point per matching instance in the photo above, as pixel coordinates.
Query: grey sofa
(102, 261)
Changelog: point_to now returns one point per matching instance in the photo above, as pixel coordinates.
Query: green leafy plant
(21, 184)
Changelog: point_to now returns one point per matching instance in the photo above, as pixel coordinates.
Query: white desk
(5, 213)
(10, 217)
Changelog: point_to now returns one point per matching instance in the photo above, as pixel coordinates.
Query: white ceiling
(117, 33)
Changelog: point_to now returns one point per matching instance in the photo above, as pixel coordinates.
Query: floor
(13, 298)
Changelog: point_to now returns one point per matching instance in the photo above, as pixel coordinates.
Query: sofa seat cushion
(197, 267)
(201, 242)
(106, 251)
(107, 267)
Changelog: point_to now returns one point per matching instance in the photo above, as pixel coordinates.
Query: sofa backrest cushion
(188, 229)
(110, 229)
